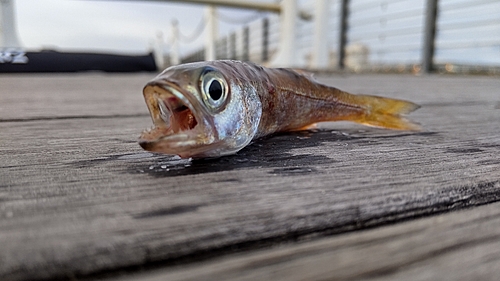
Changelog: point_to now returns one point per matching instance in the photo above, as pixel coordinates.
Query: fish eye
(214, 89)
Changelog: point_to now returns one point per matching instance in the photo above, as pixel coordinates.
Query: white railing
(383, 34)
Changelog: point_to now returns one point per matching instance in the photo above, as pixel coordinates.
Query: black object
(15, 61)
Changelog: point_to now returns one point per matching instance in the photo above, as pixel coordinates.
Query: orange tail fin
(384, 112)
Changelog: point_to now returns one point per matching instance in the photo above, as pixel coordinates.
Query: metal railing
(402, 35)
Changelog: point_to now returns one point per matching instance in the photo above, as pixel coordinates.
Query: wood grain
(79, 198)
(49, 96)
(462, 245)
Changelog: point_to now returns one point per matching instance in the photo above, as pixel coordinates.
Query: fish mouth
(177, 124)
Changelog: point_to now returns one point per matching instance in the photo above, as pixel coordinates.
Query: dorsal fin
(304, 73)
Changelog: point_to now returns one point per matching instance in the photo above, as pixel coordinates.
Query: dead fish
(216, 108)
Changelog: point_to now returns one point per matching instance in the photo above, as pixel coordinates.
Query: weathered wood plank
(462, 245)
(35, 96)
(73, 95)
(78, 196)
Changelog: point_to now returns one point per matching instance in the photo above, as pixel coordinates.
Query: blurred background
(453, 36)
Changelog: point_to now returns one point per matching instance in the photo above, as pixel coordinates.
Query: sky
(118, 26)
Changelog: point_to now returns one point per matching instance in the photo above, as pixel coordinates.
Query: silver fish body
(211, 109)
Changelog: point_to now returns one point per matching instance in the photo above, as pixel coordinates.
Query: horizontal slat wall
(390, 30)
(468, 32)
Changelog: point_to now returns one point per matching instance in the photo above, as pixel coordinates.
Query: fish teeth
(149, 132)
(184, 143)
(176, 137)
(165, 113)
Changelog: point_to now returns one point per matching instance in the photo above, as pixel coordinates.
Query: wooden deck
(80, 200)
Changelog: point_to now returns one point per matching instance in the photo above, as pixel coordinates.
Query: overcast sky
(131, 26)
(124, 26)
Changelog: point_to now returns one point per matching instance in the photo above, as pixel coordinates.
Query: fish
(216, 108)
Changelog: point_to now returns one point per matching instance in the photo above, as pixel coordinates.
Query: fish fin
(304, 73)
(307, 127)
(384, 112)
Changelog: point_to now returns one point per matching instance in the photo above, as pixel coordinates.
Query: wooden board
(78, 196)
(462, 245)
(49, 96)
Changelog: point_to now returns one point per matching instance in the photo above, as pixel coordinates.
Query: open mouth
(173, 118)
(175, 115)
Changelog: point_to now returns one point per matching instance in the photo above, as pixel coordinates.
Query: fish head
(199, 110)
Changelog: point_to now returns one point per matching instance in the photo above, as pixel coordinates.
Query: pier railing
(382, 35)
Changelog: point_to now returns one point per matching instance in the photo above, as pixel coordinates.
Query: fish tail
(383, 112)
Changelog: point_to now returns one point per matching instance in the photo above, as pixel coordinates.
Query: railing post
(232, 46)
(265, 39)
(218, 49)
(429, 36)
(287, 56)
(222, 49)
(174, 50)
(344, 17)
(8, 27)
(246, 43)
(211, 36)
(320, 49)
(158, 51)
